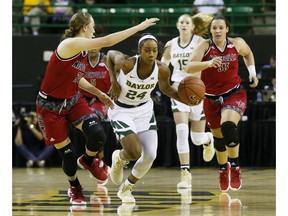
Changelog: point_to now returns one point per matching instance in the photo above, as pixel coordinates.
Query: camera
(22, 115)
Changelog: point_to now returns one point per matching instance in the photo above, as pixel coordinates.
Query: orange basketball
(191, 90)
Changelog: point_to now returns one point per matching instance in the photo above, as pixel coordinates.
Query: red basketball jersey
(222, 79)
(97, 75)
(62, 75)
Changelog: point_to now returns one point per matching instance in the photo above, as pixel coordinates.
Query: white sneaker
(116, 172)
(41, 163)
(208, 150)
(125, 193)
(186, 179)
(29, 163)
(126, 209)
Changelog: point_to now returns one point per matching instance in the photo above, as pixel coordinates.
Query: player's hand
(147, 23)
(114, 90)
(28, 121)
(253, 81)
(106, 100)
(215, 62)
(17, 122)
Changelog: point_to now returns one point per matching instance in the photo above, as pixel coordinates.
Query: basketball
(191, 90)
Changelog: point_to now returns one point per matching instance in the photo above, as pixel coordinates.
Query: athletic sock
(234, 162)
(74, 182)
(222, 166)
(128, 182)
(185, 167)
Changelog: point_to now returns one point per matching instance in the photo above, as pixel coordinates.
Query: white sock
(127, 182)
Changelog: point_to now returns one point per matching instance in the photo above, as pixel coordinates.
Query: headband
(146, 37)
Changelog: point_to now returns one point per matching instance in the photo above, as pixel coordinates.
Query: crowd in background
(38, 14)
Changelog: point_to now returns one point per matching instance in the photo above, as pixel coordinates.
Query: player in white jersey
(177, 52)
(133, 117)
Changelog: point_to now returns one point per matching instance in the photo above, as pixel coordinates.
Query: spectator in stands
(202, 6)
(268, 5)
(114, 1)
(89, 6)
(272, 62)
(29, 141)
(62, 11)
(34, 12)
(269, 79)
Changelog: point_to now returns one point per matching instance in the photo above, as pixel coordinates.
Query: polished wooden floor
(43, 191)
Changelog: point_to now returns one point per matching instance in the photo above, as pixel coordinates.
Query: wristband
(31, 126)
(252, 70)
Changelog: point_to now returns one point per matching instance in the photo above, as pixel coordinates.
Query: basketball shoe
(126, 209)
(235, 178)
(98, 168)
(224, 178)
(107, 170)
(208, 150)
(76, 195)
(125, 193)
(118, 164)
(186, 179)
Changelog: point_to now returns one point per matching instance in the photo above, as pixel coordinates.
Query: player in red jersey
(59, 100)
(97, 74)
(225, 98)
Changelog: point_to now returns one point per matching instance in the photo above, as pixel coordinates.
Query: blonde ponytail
(201, 23)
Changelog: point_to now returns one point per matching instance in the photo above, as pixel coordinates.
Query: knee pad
(94, 134)
(182, 132)
(69, 160)
(219, 144)
(199, 138)
(230, 133)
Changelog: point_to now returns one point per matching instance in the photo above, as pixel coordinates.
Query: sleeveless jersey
(179, 57)
(62, 76)
(97, 75)
(222, 79)
(135, 90)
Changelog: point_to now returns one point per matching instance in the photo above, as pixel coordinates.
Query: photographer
(29, 142)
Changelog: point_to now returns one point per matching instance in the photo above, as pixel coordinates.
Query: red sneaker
(235, 178)
(76, 195)
(106, 169)
(97, 168)
(224, 176)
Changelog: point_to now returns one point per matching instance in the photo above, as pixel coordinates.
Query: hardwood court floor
(43, 191)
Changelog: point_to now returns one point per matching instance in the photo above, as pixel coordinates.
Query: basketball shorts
(53, 117)
(236, 101)
(125, 121)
